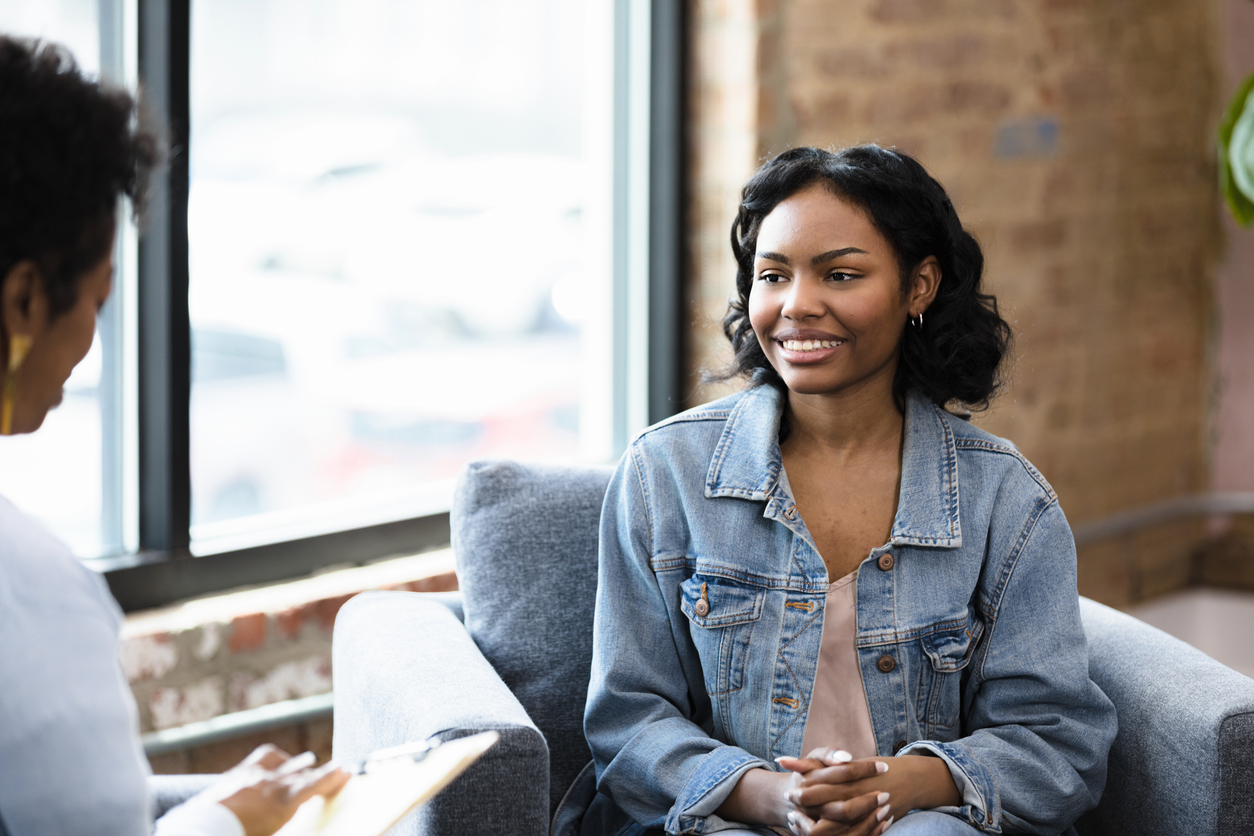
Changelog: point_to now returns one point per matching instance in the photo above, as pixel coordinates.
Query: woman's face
(58, 345)
(826, 301)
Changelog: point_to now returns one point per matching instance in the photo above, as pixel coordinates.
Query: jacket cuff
(981, 805)
(713, 780)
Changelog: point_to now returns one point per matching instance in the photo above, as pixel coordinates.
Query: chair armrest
(404, 670)
(1183, 759)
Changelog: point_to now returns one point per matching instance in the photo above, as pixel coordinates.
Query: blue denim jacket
(710, 614)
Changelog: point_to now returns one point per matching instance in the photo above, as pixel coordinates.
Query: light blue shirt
(709, 620)
(70, 757)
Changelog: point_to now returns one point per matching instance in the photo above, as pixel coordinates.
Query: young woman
(70, 760)
(832, 563)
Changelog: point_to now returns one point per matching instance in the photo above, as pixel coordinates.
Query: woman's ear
(923, 286)
(23, 302)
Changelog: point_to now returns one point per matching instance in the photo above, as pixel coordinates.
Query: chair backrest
(525, 537)
(1183, 759)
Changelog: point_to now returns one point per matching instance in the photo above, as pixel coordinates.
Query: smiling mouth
(809, 345)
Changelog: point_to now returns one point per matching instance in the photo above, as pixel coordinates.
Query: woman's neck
(847, 423)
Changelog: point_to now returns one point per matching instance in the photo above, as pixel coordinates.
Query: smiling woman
(889, 200)
(827, 603)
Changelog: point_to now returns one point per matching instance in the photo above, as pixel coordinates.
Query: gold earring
(19, 346)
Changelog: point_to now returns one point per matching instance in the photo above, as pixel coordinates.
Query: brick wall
(1075, 139)
(241, 650)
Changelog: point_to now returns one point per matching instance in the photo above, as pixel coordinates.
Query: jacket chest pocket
(948, 652)
(721, 618)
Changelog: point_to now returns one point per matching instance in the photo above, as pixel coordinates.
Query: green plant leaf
(1236, 153)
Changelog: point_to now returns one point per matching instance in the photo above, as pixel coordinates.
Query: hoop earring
(19, 346)
(918, 323)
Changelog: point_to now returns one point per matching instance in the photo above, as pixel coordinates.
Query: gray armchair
(512, 650)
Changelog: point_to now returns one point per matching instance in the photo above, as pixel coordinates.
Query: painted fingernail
(882, 813)
(881, 767)
(882, 798)
(840, 756)
(792, 796)
(888, 823)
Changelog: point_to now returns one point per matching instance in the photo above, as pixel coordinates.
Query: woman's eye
(771, 278)
(838, 276)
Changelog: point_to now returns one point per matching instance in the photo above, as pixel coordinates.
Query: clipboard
(370, 803)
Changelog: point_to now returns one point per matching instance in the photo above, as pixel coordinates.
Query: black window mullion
(667, 180)
(164, 328)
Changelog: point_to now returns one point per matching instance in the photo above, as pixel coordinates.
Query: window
(399, 235)
(72, 473)
(394, 266)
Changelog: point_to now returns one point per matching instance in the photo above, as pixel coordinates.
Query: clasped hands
(830, 793)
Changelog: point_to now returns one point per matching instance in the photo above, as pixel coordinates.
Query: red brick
(939, 53)
(446, 582)
(907, 11)
(978, 97)
(288, 623)
(327, 609)
(1038, 235)
(854, 62)
(248, 632)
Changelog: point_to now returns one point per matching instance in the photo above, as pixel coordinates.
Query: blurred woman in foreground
(70, 759)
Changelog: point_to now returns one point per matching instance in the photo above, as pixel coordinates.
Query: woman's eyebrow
(817, 260)
(831, 254)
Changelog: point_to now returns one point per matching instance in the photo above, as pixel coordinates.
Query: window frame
(650, 85)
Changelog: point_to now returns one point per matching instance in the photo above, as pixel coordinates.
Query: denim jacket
(710, 613)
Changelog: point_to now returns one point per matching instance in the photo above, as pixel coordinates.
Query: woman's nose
(802, 300)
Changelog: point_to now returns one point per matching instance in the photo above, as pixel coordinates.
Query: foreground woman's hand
(266, 788)
(836, 796)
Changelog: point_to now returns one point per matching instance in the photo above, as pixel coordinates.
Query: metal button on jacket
(791, 512)
(886, 561)
(886, 663)
(701, 608)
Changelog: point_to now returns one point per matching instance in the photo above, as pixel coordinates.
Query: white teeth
(810, 345)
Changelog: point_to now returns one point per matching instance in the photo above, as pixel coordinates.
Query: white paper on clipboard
(370, 804)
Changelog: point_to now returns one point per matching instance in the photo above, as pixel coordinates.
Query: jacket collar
(746, 465)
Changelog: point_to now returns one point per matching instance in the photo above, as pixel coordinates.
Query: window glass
(396, 221)
(69, 473)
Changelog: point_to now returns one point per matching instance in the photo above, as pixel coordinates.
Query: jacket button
(886, 561)
(701, 608)
(790, 512)
(886, 663)
(898, 746)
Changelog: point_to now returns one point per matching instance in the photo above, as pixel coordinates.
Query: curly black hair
(956, 356)
(68, 150)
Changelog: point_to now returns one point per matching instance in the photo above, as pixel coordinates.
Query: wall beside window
(1076, 140)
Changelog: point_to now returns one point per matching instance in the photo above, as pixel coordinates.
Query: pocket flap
(725, 604)
(950, 649)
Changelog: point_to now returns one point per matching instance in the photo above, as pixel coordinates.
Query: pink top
(839, 717)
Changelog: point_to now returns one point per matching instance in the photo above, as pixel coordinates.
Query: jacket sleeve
(1038, 728)
(647, 693)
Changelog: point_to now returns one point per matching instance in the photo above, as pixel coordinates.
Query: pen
(413, 751)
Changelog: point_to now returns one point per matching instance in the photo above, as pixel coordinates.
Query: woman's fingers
(852, 810)
(845, 773)
(869, 825)
(829, 756)
(265, 756)
(326, 780)
(799, 764)
(296, 763)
